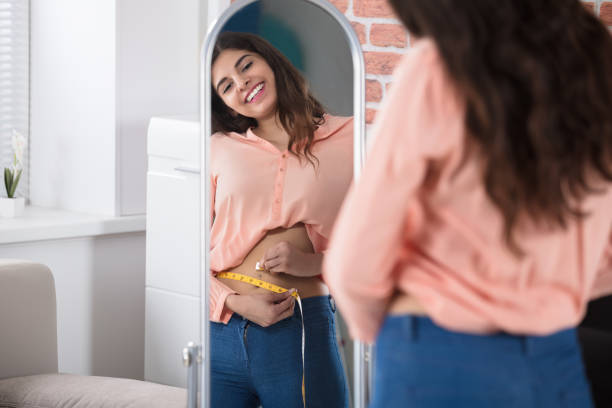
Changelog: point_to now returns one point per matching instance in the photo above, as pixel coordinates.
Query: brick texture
(606, 13)
(360, 30)
(373, 90)
(388, 35)
(372, 8)
(381, 63)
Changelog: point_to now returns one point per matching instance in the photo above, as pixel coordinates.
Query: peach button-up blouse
(418, 223)
(257, 188)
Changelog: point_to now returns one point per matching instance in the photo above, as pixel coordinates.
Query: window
(14, 84)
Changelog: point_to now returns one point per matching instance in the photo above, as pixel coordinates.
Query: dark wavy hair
(299, 112)
(536, 76)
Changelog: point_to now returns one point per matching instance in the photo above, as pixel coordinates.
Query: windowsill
(39, 223)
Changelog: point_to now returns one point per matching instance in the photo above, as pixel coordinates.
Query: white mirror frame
(361, 351)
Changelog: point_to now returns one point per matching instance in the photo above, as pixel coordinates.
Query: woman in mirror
(482, 223)
(280, 167)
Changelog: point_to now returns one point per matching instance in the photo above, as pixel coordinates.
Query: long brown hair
(536, 76)
(299, 112)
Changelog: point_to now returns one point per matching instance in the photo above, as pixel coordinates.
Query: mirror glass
(280, 162)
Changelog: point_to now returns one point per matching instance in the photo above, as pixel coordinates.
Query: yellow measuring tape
(254, 281)
(273, 288)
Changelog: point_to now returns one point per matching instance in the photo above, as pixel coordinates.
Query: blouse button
(281, 169)
(277, 201)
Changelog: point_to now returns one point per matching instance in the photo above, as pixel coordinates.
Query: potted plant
(11, 206)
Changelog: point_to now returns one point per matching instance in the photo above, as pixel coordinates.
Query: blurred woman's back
(488, 195)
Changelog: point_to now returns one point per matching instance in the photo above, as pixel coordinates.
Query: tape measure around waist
(273, 288)
(256, 282)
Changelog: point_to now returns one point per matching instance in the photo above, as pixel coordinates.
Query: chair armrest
(28, 328)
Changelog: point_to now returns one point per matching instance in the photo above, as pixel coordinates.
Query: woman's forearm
(264, 309)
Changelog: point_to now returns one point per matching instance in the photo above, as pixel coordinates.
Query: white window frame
(14, 86)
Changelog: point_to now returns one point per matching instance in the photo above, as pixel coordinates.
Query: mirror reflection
(281, 163)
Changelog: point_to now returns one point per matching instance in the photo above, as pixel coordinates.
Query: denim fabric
(252, 365)
(421, 365)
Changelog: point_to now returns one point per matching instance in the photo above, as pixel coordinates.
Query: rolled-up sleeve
(382, 208)
(218, 293)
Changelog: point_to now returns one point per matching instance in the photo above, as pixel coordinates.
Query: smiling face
(245, 83)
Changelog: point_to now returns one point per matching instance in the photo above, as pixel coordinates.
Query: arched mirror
(282, 99)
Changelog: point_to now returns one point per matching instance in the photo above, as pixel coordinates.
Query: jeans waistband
(315, 304)
(423, 329)
(318, 303)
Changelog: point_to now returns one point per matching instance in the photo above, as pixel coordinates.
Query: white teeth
(255, 91)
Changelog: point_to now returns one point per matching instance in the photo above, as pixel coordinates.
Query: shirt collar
(331, 125)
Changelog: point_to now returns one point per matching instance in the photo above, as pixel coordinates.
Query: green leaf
(15, 183)
(8, 180)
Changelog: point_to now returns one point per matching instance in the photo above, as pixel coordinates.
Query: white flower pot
(11, 207)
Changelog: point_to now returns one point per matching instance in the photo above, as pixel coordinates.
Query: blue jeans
(421, 365)
(252, 365)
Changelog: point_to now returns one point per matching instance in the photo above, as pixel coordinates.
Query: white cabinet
(172, 320)
(173, 239)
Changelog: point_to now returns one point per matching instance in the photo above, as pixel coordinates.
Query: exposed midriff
(403, 303)
(297, 237)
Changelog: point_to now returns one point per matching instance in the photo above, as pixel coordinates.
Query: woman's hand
(263, 308)
(285, 258)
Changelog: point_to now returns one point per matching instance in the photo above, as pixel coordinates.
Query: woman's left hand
(285, 258)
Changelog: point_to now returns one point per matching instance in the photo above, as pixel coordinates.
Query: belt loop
(526, 345)
(332, 304)
(414, 329)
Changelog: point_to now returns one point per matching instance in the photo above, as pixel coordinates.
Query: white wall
(158, 45)
(99, 70)
(100, 290)
(72, 153)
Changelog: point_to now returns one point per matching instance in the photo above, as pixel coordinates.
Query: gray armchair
(29, 375)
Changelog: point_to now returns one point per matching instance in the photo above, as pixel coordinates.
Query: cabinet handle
(188, 170)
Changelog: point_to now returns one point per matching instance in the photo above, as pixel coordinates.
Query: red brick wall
(384, 40)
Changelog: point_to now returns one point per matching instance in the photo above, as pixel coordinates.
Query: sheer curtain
(14, 84)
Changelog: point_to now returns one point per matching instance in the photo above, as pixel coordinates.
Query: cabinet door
(172, 321)
(173, 232)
